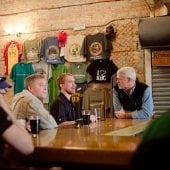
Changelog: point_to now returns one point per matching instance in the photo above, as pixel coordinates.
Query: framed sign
(161, 58)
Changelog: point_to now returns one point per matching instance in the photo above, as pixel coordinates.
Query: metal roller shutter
(161, 89)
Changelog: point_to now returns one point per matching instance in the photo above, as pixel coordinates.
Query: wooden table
(109, 143)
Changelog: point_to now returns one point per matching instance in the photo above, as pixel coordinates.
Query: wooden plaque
(161, 58)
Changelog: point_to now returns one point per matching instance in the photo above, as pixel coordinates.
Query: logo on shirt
(32, 53)
(95, 48)
(101, 75)
(74, 50)
(52, 52)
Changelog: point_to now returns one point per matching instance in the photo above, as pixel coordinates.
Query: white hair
(127, 72)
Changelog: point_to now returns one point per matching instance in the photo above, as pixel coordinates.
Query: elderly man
(131, 98)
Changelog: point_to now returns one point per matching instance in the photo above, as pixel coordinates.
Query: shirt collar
(131, 90)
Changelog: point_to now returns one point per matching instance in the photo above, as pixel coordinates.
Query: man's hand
(121, 114)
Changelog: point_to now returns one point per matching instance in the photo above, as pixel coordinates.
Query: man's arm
(66, 123)
(19, 139)
(46, 119)
(12, 133)
(116, 103)
(147, 106)
(145, 112)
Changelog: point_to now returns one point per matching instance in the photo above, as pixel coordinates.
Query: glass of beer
(34, 125)
(86, 117)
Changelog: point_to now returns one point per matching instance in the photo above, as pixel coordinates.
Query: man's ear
(29, 88)
(61, 85)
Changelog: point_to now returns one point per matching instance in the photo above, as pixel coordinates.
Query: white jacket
(25, 104)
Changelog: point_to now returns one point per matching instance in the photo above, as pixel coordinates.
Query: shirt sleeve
(58, 110)
(116, 103)
(147, 106)
(5, 122)
(46, 120)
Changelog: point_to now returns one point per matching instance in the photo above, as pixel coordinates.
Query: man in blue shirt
(131, 98)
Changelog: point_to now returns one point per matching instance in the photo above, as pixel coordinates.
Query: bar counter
(108, 143)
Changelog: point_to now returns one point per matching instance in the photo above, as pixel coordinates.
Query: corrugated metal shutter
(161, 89)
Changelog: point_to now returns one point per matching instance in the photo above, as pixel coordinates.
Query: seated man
(29, 101)
(131, 98)
(62, 108)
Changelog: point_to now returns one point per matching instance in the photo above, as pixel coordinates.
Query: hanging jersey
(73, 48)
(102, 70)
(50, 51)
(18, 74)
(31, 51)
(97, 98)
(12, 52)
(96, 47)
(77, 98)
(79, 72)
(52, 84)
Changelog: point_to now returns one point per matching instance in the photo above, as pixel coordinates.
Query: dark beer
(86, 119)
(35, 126)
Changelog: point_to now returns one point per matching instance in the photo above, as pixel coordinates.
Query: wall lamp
(18, 34)
(17, 29)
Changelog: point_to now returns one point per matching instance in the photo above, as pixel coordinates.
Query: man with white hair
(131, 98)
